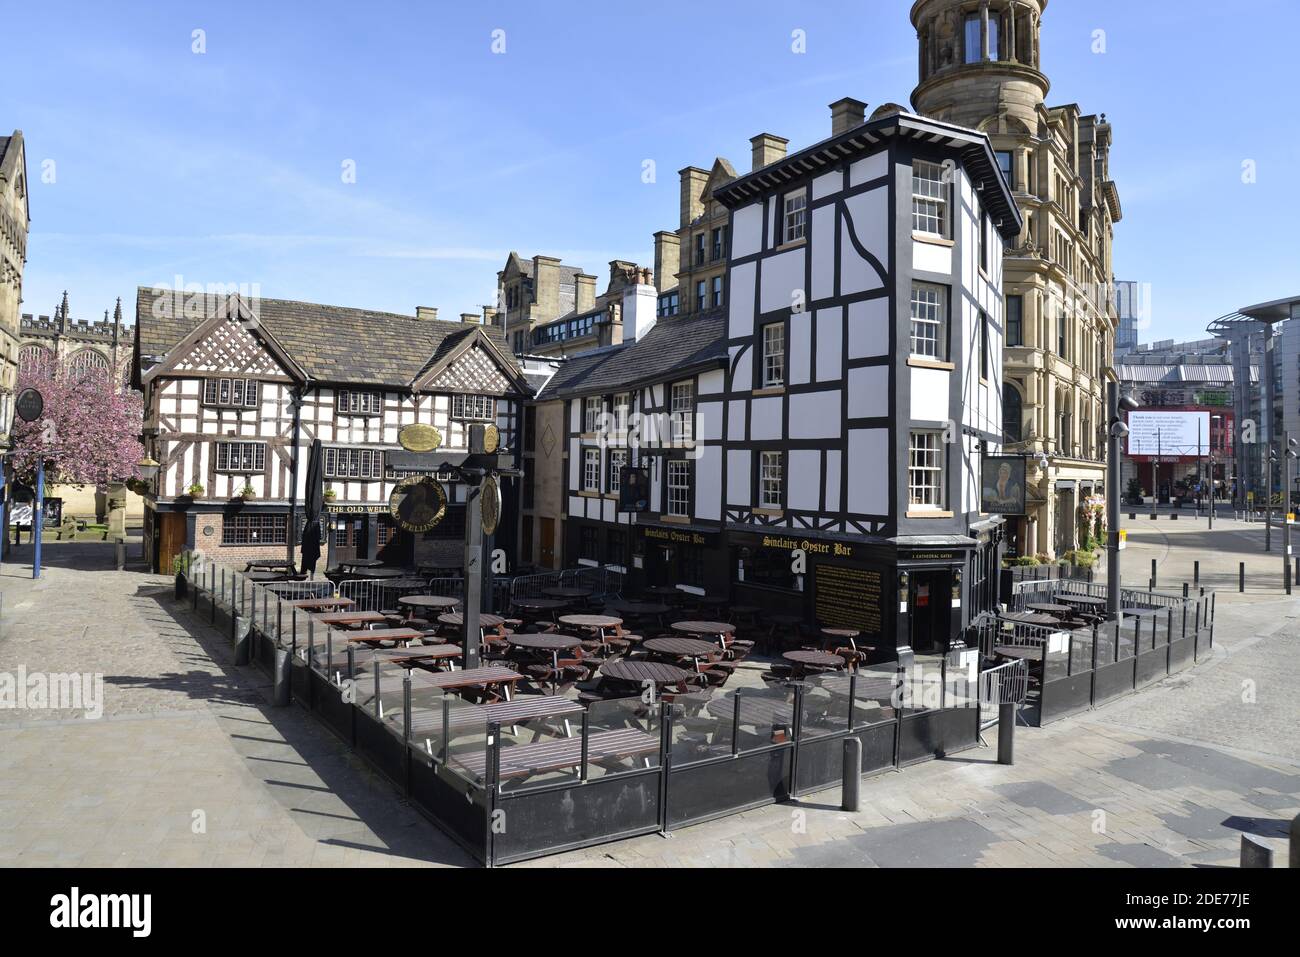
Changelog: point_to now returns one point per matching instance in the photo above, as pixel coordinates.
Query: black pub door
(931, 610)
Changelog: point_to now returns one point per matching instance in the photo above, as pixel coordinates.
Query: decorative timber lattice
(475, 372)
(231, 347)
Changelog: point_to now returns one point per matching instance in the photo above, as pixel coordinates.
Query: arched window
(1012, 411)
(85, 361)
(31, 357)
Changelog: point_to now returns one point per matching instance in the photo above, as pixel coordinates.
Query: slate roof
(331, 343)
(671, 347)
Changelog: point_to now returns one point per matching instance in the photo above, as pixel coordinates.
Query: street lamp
(1116, 429)
(1213, 420)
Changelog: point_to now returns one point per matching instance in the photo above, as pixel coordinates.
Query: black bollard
(1196, 572)
(1254, 854)
(1153, 573)
(1294, 858)
(1007, 733)
(1241, 576)
(851, 787)
(1184, 589)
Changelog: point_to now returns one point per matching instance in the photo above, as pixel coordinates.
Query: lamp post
(1116, 429)
(1289, 444)
(1213, 419)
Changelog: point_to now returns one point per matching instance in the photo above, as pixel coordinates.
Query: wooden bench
(522, 760)
(428, 722)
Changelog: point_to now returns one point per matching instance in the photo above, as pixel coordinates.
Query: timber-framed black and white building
(236, 389)
(839, 409)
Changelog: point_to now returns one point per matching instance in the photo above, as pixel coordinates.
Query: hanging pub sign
(418, 437)
(30, 405)
(633, 489)
(418, 503)
(489, 502)
(1002, 484)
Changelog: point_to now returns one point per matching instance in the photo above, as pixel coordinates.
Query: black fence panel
(328, 704)
(1182, 652)
(376, 743)
(1111, 681)
(711, 789)
(456, 805)
(821, 760)
(550, 820)
(933, 734)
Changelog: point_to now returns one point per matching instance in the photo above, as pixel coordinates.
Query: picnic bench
(322, 604)
(428, 721)
(347, 619)
(523, 760)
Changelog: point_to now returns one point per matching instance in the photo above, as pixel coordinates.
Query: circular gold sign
(491, 439)
(489, 503)
(418, 437)
(418, 503)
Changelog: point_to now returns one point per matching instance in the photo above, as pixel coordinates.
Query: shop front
(683, 555)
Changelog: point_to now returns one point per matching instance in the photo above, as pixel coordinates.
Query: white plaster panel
(782, 275)
(931, 257)
(823, 252)
(869, 471)
(830, 343)
(930, 394)
(800, 348)
(815, 415)
(708, 485)
(832, 479)
(868, 392)
(747, 230)
(827, 184)
(802, 479)
(736, 420)
(740, 304)
(767, 418)
(869, 168)
(869, 328)
(738, 477)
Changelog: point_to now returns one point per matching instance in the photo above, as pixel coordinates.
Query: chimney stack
(767, 149)
(491, 314)
(693, 180)
(546, 287)
(668, 259)
(846, 114)
(426, 313)
(471, 318)
(584, 292)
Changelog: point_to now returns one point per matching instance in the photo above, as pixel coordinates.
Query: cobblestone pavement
(1171, 776)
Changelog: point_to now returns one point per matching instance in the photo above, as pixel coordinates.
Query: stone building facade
(103, 343)
(14, 220)
(979, 66)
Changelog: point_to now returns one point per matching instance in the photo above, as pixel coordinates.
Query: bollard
(1196, 572)
(1286, 577)
(1007, 732)
(1173, 517)
(1294, 855)
(851, 788)
(280, 689)
(1254, 854)
(181, 589)
(241, 633)
(119, 552)
(1241, 576)
(1184, 589)
(1132, 516)
(1153, 573)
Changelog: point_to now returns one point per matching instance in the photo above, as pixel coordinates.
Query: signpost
(418, 503)
(29, 406)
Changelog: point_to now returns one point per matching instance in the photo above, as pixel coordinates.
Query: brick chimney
(584, 292)
(546, 287)
(846, 114)
(694, 180)
(767, 149)
(426, 313)
(668, 259)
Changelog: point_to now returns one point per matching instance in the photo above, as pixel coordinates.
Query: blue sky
(226, 166)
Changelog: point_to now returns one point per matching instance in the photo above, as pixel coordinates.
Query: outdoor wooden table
(656, 673)
(720, 630)
(1028, 618)
(489, 678)
(671, 592)
(567, 592)
(547, 641)
(269, 563)
(648, 608)
(803, 657)
(692, 648)
(850, 635)
(348, 619)
(360, 563)
(522, 760)
(385, 634)
(755, 709)
(1051, 608)
(406, 657)
(321, 604)
(428, 601)
(1087, 601)
(1028, 652)
(1135, 610)
(428, 722)
(456, 619)
(376, 573)
(597, 624)
(264, 577)
(540, 604)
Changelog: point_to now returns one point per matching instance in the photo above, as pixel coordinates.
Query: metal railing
(1007, 683)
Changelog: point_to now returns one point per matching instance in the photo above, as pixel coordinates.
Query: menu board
(846, 597)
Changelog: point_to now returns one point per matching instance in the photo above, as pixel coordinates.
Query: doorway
(931, 611)
(348, 540)
(171, 539)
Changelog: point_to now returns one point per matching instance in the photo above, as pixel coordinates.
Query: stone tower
(978, 63)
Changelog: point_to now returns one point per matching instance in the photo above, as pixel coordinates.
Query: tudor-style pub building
(236, 389)
(865, 341)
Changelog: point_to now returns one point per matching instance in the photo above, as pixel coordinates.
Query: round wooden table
(1028, 618)
(596, 623)
(1048, 607)
(262, 578)
(548, 642)
(484, 619)
(428, 601)
(681, 647)
(637, 607)
(803, 657)
(360, 563)
(373, 573)
(540, 604)
(1087, 601)
(664, 591)
(567, 592)
(655, 673)
(1027, 652)
(717, 628)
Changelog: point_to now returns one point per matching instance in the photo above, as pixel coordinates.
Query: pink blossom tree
(89, 431)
